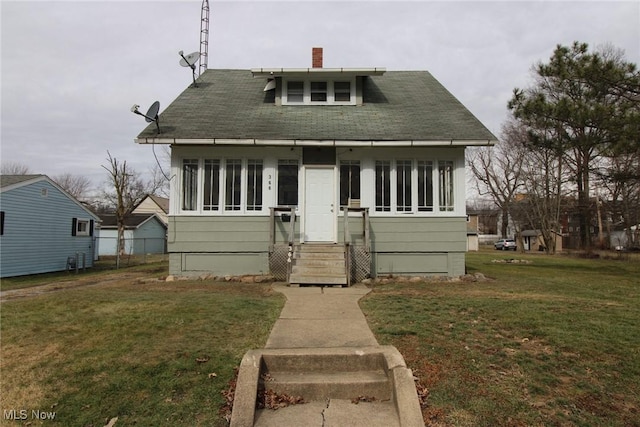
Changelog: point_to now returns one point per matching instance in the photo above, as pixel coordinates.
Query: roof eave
(319, 142)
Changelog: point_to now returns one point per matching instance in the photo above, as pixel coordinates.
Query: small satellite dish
(271, 84)
(152, 113)
(190, 61)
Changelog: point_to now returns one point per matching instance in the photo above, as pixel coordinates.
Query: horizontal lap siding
(218, 234)
(150, 238)
(418, 245)
(418, 234)
(37, 234)
(218, 245)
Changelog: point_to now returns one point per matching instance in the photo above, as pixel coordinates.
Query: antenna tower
(204, 36)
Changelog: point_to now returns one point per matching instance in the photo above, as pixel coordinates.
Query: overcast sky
(72, 70)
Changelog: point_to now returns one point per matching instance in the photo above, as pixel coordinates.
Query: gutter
(318, 142)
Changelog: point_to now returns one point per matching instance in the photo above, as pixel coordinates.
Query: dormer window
(295, 91)
(325, 92)
(342, 91)
(318, 91)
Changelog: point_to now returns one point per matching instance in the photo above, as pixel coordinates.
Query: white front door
(319, 199)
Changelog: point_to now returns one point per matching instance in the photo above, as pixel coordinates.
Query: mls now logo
(23, 414)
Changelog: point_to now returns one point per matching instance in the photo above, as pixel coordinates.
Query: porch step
(318, 264)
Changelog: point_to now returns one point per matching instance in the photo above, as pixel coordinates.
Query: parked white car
(505, 245)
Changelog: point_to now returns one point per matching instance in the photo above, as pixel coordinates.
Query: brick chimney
(316, 57)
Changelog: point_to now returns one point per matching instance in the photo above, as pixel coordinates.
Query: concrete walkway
(324, 330)
(321, 317)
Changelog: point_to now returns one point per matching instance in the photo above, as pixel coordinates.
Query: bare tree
(544, 179)
(497, 170)
(127, 189)
(76, 185)
(15, 168)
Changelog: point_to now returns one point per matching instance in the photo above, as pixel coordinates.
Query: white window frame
(223, 208)
(82, 227)
(306, 97)
(437, 209)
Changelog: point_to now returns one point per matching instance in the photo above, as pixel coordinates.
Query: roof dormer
(316, 85)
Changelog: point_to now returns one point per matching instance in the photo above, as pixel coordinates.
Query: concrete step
(300, 361)
(366, 386)
(332, 413)
(334, 385)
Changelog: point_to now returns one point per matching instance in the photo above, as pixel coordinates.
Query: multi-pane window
(342, 91)
(383, 186)
(403, 185)
(189, 184)
(425, 186)
(287, 182)
(349, 181)
(318, 91)
(295, 91)
(233, 184)
(254, 185)
(445, 176)
(211, 197)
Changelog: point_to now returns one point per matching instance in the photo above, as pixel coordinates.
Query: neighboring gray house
(256, 151)
(144, 233)
(42, 226)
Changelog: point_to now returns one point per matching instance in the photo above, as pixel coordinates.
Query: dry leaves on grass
(229, 394)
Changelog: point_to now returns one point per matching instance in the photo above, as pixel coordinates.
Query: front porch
(342, 263)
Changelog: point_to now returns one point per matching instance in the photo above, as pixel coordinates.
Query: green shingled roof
(397, 106)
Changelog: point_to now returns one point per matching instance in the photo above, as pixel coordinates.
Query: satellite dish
(189, 61)
(152, 113)
(271, 84)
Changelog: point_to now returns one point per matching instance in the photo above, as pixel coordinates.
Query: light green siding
(418, 245)
(221, 245)
(240, 245)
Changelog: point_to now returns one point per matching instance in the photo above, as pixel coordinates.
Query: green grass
(555, 342)
(552, 343)
(131, 350)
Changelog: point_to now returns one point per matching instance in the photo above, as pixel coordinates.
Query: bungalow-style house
(144, 233)
(153, 204)
(317, 175)
(43, 228)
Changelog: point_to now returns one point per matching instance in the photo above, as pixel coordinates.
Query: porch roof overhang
(311, 142)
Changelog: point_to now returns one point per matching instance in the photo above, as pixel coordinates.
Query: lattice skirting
(360, 263)
(278, 261)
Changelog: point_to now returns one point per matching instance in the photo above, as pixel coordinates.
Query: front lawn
(149, 353)
(553, 342)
